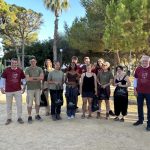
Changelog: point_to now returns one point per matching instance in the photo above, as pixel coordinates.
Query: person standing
(34, 77)
(86, 62)
(104, 79)
(88, 88)
(11, 84)
(122, 82)
(71, 80)
(47, 68)
(56, 81)
(142, 90)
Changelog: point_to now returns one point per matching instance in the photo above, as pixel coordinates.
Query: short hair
(33, 57)
(120, 67)
(74, 57)
(145, 57)
(14, 59)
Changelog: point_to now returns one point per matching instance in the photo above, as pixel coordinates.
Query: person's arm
(135, 86)
(81, 83)
(127, 84)
(98, 78)
(95, 83)
(2, 85)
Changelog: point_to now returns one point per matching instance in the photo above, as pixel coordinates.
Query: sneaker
(72, 117)
(69, 118)
(29, 119)
(122, 120)
(98, 115)
(111, 113)
(8, 121)
(116, 119)
(58, 117)
(148, 128)
(54, 118)
(20, 121)
(107, 115)
(38, 117)
(137, 123)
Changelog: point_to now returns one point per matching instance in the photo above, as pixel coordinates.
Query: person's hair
(74, 57)
(70, 67)
(33, 57)
(14, 59)
(120, 67)
(86, 58)
(55, 62)
(45, 66)
(97, 64)
(145, 57)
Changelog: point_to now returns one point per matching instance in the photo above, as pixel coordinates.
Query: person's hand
(3, 91)
(135, 92)
(103, 86)
(23, 90)
(119, 84)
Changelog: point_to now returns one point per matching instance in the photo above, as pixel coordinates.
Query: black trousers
(54, 95)
(120, 105)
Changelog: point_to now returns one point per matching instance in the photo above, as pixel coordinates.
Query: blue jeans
(140, 102)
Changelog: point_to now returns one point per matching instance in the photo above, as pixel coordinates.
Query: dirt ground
(75, 134)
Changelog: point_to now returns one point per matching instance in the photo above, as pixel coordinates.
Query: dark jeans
(54, 95)
(140, 102)
(71, 96)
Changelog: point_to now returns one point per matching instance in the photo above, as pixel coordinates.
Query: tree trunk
(55, 37)
(116, 58)
(23, 53)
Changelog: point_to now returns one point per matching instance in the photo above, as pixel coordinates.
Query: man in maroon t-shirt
(11, 80)
(142, 89)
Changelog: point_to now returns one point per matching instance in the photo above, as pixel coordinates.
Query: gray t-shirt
(33, 72)
(58, 76)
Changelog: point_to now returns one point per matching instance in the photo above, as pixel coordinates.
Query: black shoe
(54, 117)
(148, 128)
(20, 121)
(58, 117)
(122, 120)
(29, 119)
(116, 119)
(111, 113)
(38, 117)
(137, 123)
(8, 121)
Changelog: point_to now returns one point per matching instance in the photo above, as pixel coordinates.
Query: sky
(47, 28)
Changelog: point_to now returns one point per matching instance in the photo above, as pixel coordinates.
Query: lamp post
(61, 51)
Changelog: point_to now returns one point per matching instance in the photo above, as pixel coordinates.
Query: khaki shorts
(33, 95)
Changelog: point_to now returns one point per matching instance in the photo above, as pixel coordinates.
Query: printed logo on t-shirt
(15, 77)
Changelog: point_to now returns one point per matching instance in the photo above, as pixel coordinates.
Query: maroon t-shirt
(13, 79)
(143, 79)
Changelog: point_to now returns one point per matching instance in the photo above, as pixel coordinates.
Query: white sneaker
(69, 118)
(72, 117)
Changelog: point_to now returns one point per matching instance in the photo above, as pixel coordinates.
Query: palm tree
(56, 6)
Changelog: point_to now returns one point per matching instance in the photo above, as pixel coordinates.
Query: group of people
(86, 80)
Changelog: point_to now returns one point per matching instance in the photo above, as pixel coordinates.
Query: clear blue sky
(47, 29)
